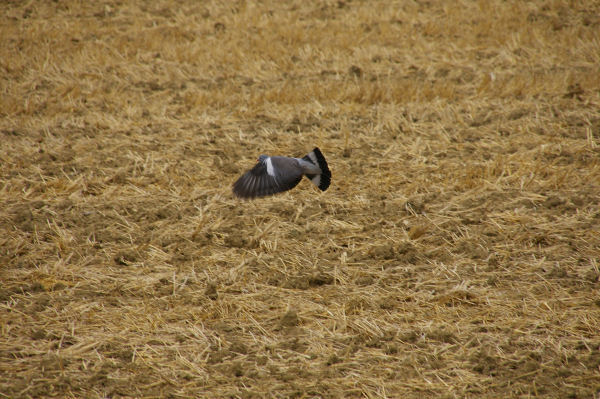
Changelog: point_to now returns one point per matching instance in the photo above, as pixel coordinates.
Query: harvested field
(456, 253)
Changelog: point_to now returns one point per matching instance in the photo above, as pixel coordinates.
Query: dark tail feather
(316, 158)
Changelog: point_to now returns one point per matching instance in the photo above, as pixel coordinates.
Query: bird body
(274, 174)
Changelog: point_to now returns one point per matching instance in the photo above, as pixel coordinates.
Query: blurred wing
(258, 183)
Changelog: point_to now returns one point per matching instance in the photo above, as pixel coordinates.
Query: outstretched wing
(274, 175)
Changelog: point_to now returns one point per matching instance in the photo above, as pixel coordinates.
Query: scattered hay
(456, 253)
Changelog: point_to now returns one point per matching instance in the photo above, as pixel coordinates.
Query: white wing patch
(270, 169)
(316, 180)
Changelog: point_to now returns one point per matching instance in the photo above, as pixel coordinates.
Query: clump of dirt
(289, 319)
(126, 257)
(484, 363)
(211, 291)
(307, 281)
(404, 252)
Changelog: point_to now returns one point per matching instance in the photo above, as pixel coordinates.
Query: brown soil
(456, 253)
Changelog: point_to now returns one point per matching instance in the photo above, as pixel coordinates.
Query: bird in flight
(272, 175)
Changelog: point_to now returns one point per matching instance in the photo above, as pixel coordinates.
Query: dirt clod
(211, 291)
(289, 319)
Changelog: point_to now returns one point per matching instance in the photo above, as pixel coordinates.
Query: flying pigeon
(273, 175)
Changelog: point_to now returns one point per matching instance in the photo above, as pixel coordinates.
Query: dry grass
(456, 254)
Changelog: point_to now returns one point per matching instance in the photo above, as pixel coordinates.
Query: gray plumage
(275, 174)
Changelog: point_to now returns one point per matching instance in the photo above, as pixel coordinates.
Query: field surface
(455, 255)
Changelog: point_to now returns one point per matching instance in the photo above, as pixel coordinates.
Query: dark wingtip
(239, 189)
(325, 172)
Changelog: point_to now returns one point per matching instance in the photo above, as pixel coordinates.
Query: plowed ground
(456, 253)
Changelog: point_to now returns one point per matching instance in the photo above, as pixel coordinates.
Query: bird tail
(320, 180)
